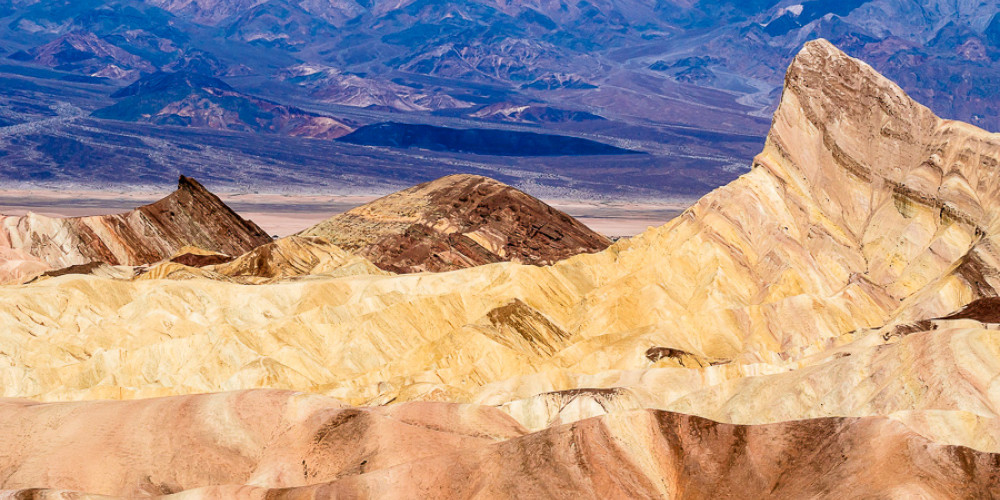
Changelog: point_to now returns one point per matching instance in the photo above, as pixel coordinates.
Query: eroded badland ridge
(456, 222)
(793, 334)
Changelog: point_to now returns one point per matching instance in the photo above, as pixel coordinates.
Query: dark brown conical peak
(196, 215)
(187, 183)
(455, 222)
(190, 216)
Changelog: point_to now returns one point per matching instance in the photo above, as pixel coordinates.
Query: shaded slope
(455, 222)
(84, 52)
(189, 216)
(478, 141)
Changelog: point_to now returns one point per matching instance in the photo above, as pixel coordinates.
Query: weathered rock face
(456, 222)
(17, 266)
(189, 216)
(291, 445)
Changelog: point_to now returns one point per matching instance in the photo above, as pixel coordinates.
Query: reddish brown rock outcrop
(291, 258)
(456, 222)
(985, 310)
(189, 216)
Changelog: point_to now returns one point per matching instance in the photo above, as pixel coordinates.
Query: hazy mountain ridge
(651, 70)
(190, 99)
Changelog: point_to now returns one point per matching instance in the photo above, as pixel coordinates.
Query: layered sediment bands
(817, 245)
(456, 222)
(289, 445)
(189, 216)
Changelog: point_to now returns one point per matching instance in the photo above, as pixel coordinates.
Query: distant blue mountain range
(692, 84)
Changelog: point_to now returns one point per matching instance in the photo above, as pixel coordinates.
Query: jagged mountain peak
(875, 139)
(863, 208)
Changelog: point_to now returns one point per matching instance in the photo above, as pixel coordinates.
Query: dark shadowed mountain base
(478, 141)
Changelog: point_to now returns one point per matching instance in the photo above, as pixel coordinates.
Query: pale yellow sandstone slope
(292, 257)
(863, 210)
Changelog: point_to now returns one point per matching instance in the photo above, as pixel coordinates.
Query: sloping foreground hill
(286, 445)
(284, 259)
(820, 285)
(455, 222)
(189, 216)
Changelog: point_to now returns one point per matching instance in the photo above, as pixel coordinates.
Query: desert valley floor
(825, 326)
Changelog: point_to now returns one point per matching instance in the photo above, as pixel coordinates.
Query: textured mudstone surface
(456, 222)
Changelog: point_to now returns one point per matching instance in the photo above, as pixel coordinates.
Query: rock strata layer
(456, 222)
(189, 216)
